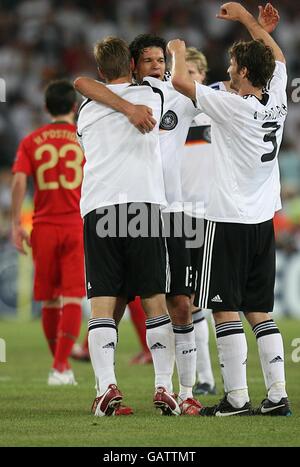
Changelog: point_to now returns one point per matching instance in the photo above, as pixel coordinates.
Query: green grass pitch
(33, 414)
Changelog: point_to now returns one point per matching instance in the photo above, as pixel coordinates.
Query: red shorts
(59, 261)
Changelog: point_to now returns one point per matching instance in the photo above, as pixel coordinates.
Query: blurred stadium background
(42, 40)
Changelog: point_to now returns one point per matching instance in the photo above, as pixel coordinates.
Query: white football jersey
(246, 136)
(122, 165)
(196, 165)
(178, 114)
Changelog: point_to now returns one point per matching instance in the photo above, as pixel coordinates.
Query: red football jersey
(55, 159)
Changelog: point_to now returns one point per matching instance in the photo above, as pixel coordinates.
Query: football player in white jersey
(177, 117)
(196, 178)
(238, 270)
(148, 53)
(123, 178)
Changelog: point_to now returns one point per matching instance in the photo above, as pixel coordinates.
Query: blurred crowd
(42, 40)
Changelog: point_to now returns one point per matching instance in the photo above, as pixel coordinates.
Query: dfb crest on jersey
(169, 121)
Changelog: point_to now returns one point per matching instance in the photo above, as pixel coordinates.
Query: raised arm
(139, 115)
(268, 18)
(234, 11)
(181, 79)
(19, 235)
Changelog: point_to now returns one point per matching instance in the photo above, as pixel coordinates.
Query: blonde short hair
(112, 56)
(194, 55)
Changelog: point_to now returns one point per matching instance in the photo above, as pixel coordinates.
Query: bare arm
(139, 115)
(233, 11)
(181, 79)
(19, 235)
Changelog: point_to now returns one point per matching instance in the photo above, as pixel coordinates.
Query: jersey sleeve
(220, 106)
(22, 161)
(278, 82)
(187, 105)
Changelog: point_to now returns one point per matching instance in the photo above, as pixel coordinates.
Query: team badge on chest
(169, 121)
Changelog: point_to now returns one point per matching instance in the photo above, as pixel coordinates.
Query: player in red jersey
(53, 157)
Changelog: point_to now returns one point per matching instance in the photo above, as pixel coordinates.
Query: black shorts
(238, 267)
(181, 273)
(119, 263)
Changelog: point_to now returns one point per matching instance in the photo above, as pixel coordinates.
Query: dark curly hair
(257, 57)
(143, 41)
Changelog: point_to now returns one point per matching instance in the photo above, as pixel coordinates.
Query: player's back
(120, 161)
(246, 134)
(52, 155)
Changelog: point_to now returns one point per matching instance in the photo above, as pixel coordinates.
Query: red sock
(138, 318)
(68, 332)
(50, 321)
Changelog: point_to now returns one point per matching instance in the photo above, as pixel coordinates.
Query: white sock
(232, 351)
(203, 365)
(185, 352)
(102, 345)
(238, 398)
(271, 354)
(160, 340)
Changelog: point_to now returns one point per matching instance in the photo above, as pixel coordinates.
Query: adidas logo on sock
(217, 298)
(157, 346)
(110, 345)
(276, 359)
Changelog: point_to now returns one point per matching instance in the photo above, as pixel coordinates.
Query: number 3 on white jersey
(272, 138)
